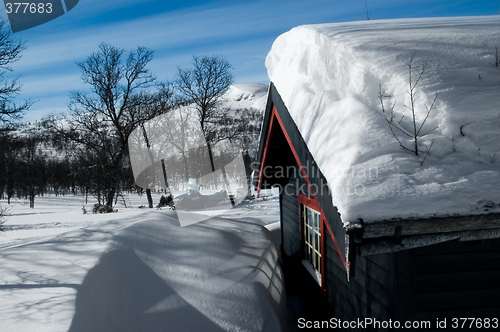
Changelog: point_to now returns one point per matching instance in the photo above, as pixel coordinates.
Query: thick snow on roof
(328, 77)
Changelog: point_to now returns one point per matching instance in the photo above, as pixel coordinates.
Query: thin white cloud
(171, 30)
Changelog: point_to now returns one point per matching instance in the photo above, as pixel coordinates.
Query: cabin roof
(331, 77)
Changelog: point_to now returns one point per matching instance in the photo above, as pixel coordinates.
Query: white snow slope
(329, 75)
(138, 270)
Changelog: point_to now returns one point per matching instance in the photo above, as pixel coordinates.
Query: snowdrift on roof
(330, 77)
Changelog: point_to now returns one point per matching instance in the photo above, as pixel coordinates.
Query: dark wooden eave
(396, 235)
(431, 225)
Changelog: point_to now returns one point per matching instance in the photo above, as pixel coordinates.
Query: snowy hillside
(329, 78)
(248, 95)
(238, 97)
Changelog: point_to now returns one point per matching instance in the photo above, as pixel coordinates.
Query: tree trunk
(109, 200)
(32, 200)
(186, 166)
(150, 198)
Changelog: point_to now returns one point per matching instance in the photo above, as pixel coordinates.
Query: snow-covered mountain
(248, 95)
(238, 97)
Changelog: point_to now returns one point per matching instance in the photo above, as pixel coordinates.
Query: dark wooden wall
(370, 294)
(456, 279)
(449, 280)
(290, 221)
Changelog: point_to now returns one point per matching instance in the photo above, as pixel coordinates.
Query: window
(311, 225)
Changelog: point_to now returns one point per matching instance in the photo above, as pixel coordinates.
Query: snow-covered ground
(138, 270)
(329, 77)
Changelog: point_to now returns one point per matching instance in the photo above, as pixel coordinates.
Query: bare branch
(400, 129)
(391, 125)
(428, 132)
(462, 127)
(427, 153)
(381, 96)
(429, 109)
(204, 85)
(366, 7)
(10, 52)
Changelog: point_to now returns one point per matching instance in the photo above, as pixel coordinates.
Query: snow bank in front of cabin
(138, 270)
(328, 77)
(213, 276)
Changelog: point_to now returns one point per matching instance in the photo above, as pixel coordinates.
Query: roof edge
(410, 227)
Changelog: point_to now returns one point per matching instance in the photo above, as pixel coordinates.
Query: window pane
(311, 220)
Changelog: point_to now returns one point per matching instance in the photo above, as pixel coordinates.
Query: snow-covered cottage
(384, 138)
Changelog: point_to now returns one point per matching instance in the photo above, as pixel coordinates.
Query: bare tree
(32, 166)
(10, 52)
(101, 121)
(415, 132)
(204, 85)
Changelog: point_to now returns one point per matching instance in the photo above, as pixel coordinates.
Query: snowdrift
(213, 276)
(330, 78)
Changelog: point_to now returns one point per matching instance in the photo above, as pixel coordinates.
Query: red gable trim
(266, 149)
(313, 201)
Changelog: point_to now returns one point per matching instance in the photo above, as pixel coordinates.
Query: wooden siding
(458, 279)
(290, 222)
(368, 295)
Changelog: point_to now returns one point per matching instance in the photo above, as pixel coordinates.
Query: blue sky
(243, 31)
